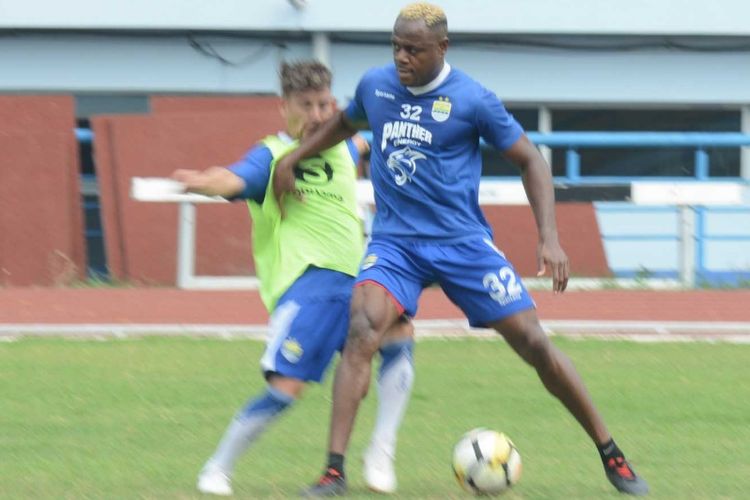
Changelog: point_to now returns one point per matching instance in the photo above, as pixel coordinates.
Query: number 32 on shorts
(503, 287)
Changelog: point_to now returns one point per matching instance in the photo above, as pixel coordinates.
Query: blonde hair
(304, 75)
(432, 15)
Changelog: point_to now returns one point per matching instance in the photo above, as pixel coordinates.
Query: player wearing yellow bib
(323, 231)
(306, 262)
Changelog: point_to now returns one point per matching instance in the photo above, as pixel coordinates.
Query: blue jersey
(426, 160)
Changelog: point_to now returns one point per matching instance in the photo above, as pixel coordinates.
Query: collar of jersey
(434, 83)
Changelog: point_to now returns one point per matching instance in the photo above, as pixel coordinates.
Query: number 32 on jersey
(409, 112)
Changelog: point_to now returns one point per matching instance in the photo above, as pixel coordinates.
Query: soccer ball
(486, 462)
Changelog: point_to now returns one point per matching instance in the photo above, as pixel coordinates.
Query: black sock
(336, 462)
(609, 450)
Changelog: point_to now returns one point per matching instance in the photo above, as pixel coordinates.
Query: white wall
(547, 76)
(149, 63)
(671, 17)
(648, 237)
(162, 61)
(732, 253)
(87, 63)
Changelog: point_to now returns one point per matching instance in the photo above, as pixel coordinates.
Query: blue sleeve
(353, 150)
(255, 170)
(495, 124)
(355, 111)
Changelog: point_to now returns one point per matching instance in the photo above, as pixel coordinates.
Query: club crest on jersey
(291, 350)
(441, 109)
(369, 261)
(403, 164)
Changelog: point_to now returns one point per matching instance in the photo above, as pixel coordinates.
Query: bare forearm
(328, 135)
(537, 181)
(214, 181)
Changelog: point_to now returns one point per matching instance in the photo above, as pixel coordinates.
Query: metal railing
(572, 142)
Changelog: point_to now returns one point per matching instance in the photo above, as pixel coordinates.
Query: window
(493, 161)
(86, 106)
(648, 161)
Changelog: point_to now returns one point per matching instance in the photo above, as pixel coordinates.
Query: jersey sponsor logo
(403, 164)
(441, 109)
(313, 191)
(404, 133)
(384, 94)
(291, 350)
(369, 261)
(314, 171)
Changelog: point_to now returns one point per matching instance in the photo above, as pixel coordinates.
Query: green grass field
(136, 419)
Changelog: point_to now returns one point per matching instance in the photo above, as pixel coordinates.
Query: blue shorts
(472, 272)
(309, 325)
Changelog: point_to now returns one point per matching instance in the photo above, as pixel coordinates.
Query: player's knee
(539, 350)
(363, 339)
(400, 331)
(532, 345)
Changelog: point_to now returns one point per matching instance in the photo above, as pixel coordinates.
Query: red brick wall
(263, 105)
(41, 219)
(515, 234)
(141, 237)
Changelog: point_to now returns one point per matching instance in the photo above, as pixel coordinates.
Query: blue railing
(84, 135)
(573, 141)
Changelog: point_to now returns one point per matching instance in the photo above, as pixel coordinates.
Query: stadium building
(598, 84)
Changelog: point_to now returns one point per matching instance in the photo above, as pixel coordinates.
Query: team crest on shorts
(291, 350)
(441, 109)
(369, 261)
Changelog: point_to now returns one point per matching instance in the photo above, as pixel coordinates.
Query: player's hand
(189, 178)
(283, 181)
(199, 181)
(550, 253)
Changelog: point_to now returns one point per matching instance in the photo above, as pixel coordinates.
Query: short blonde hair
(432, 15)
(304, 75)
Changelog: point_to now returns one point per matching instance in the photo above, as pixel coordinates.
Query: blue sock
(271, 401)
(392, 352)
(247, 425)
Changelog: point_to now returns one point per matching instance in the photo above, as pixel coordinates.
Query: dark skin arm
(537, 182)
(329, 134)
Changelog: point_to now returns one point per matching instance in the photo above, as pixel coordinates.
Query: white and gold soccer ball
(486, 462)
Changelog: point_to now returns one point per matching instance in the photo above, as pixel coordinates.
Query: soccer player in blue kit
(427, 119)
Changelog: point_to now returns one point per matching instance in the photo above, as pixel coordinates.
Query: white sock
(395, 381)
(247, 426)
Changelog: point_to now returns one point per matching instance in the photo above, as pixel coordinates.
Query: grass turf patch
(137, 418)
